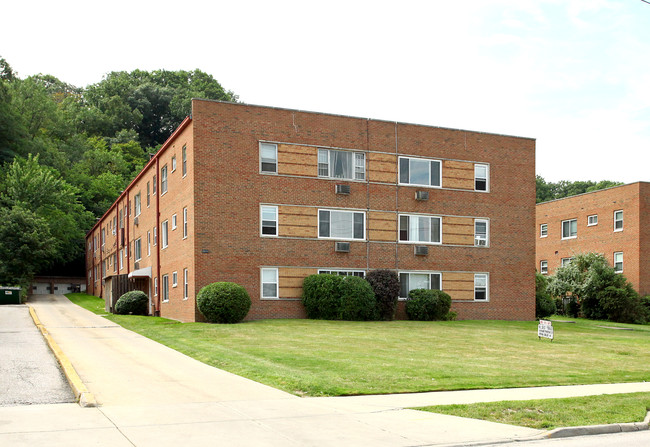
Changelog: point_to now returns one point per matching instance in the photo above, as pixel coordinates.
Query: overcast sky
(573, 74)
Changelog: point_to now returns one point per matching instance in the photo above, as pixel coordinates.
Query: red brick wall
(229, 190)
(632, 199)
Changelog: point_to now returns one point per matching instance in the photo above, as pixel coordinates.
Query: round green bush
(321, 296)
(427, 305)
(385, 284)
(223, 302)
(134, 302)
(357, 299)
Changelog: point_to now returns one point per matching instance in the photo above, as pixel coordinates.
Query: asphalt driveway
(29, 373)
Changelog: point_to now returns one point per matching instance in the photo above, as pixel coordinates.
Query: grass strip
(554, 413)
(333, 358)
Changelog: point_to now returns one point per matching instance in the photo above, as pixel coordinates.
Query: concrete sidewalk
(150, 395)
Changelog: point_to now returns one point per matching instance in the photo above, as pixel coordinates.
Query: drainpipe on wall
(158, 236)
(127, 216)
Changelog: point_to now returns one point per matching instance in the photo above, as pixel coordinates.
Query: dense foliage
(428, 305)
(601, 292)
(223, 302)
(385, 285)
(544, 304)
(67, 153)
(358, 302)
(134, 302)
(334, 297)
(550, 191)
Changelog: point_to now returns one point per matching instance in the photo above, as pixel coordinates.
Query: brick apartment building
(609, 222)
(264, 196)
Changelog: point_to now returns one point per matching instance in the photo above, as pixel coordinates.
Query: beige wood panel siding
(382, 167)
(297, 160)
(297, 221)
(458, 174)
(382, 226)
(459, 285)
(458, 230)
(291, 281)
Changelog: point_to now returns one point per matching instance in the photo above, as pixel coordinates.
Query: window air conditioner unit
(136, 265)
(343, 189)
(136, 221)
(421, 195)
(342, 247)
(421, 250)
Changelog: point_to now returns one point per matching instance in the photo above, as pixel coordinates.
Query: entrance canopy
(141, 273)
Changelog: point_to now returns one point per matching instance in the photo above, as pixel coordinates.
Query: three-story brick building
(609, 222)
(264, 196)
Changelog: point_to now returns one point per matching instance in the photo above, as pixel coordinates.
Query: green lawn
(312, 357)
(553, 413)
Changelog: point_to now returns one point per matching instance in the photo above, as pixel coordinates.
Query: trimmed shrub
(358, 302)
(223, 302)
(321, 296)
(134, 302)
(385, 285)
(427, 305)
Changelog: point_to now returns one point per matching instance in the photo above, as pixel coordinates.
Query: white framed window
(173, 163)
(481, 287)
(155, 286)
(420, 229)
(269, 220)
(269, 283)
(618, 220)
(137, 249)
(543, 267)
(186, 284)
(418, 280)
(481, 232)
(121, 259)
(359, 273)
(155, 236)
(184, 161)
(138, 204)
(155, 185)
(103, 236)
(569, 229)
(345, 165)
(565, 261)
(481, 177)
(174, 279)
(184, 222)
(115, 262)
(269, 158)
(339, 224)
(618, 262)
(543, 230)
(164, 234)
(592, 220)
(95, 242)
(173, 221)
(420, 171)
(148, 194)
(165, 288)
(163, 180)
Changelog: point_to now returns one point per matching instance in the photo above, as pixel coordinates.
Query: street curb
(599, 429)
(84, 397)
